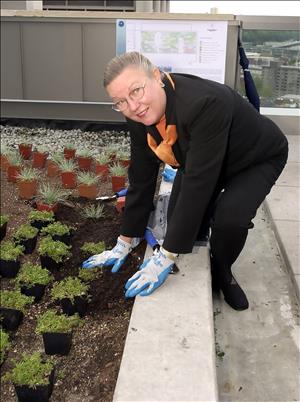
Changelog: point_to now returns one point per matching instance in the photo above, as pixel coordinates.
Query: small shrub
(56, 250)
(10, 251)
(51, 321)
(4, 344)
(14, 299)
(31, 370)
(87, 178)
(43, 216)
(56, 228)
(93, 248)
(50, 194)
(28, 174)
(69, 288)
(93, 211)
(25, 231)
(117, 170)
(31, 274)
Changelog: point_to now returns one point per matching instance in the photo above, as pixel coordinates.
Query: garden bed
(90, 371)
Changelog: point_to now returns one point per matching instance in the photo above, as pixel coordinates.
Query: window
(275, 66)
(89, 5)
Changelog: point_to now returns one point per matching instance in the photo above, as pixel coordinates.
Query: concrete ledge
(169, 353)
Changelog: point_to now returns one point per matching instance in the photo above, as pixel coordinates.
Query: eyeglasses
(135, 95)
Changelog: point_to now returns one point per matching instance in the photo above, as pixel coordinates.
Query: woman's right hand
(114, 257)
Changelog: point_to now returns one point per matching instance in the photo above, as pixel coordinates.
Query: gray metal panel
(98, 48)
(11, 65)
(231, 65)
(52, 57)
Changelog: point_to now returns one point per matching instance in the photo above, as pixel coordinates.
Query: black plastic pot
(3, 231)
(66, 238)
(57, 343)
(49, 263)
(29, 244)
(35, 290)
(79, 305)
(10, 318)
(41, 393)
(39, 224)
(9, 269)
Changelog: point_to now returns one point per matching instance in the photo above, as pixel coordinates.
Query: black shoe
(234, 295)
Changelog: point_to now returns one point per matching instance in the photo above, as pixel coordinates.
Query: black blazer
(219, 135)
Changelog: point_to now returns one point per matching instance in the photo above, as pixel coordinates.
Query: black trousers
(230, 213)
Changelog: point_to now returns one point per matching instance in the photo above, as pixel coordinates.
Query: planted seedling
(31, 275)
(57, 228)
(28, 174)
(57, 157)
(102, 159)
(69, 288)
(51, 321)
(87, 275)
(25, 232)
(93, 248)
(93, 211)
(15, 159)
(117, 170)
(51, 194)
(3, 219)
(14, 299)
(4, 344)
(84, 153)
(68, 165)
(41, 216)
(30, 371)
(87, 178)
(56, 250)
(10, 251)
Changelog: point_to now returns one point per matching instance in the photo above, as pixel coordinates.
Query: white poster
(192, 47)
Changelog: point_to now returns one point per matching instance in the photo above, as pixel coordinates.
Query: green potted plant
(32, 280)
(59, 231)
(69, 151)
(68, 168)
(25, 149)
(32, 377)
(49, 196)
(4, 345)
(93, 211)
(10, 259)
(53, 164)
(111, 150)
(56, 330)
(53, 253)
(12, 308)
(15, 161)
(123, 156)
(27, 181)
(87, 184)
(39, 157)
(26, 236)
(84, 159)
(102, 165)
(91, 248)
(72, 294)
(118, 176)
(3, 225)
(39, 219)
(4, 153)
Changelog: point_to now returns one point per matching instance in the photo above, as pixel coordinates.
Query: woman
(228, 158)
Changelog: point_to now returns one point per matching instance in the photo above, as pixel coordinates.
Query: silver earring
(162, 84)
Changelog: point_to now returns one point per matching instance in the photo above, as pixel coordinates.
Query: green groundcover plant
(43, 216)
(11, 251)
(56, 250)
(93, 211)
(57, 228)
(93, 248)
(31, 370)
(87, 275)
(4, 344)
(25, 231)
(31, 275)
(69, 288)
(14, 299)
(51, 321)
(3, 219)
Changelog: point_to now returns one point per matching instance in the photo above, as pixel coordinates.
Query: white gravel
(55, 140)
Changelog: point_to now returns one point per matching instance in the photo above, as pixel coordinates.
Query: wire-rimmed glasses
(135, 95)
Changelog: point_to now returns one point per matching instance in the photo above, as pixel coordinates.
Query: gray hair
(115, 67)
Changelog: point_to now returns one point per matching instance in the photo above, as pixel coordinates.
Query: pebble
(55, 140)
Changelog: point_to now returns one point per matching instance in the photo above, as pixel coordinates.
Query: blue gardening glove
(153, 272)
(114, 257)
(169, 173)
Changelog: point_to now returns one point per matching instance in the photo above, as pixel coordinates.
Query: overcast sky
(281, 8)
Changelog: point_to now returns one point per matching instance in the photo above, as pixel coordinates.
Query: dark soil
(90, 371)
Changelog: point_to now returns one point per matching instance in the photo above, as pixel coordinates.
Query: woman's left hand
(152, 274)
